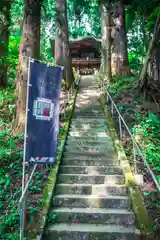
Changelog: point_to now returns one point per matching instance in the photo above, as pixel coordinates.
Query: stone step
(90, 149)
(78, 154)
(91, 141)
(103, 144)
(88, 118)
(91, 201)
(93, 157)
(91, 170)
(88, 111)
(90, 162)
(88, 189)
(90, 131)
(88, 114)
(96, 134)
(91, 179)
(93, 138)
(89, 121)
(90, 232)
(94, 216)
(86, 105)
(87, 126)
(88, 102)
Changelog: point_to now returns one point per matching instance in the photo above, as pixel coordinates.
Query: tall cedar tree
(152, 49)
(29, 47)
(120, 63)
(62, 51)
(5, 6)
(106, 37)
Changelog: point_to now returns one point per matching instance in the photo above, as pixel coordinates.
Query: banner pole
(22, 205)
(68, 95)
(64, 104)
(72, 90)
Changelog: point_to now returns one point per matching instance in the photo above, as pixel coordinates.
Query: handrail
(133, 139)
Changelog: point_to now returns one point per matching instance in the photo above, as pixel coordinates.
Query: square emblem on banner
(43, 109)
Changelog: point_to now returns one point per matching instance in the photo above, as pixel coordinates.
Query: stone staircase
(91, 200)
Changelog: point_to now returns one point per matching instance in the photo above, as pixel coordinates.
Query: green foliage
(51, 217)
(152, 18)
(149, 128)
(12, 59)
(146, 125)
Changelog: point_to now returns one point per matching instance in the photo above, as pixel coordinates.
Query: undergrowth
(10, 165)
(11, 154)
(143, 120)
(145, 123)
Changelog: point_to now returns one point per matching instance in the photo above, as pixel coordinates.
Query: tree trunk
(157, 63)
(120, 63)
(106, 38)
(62, 51)
(152, 46)
(29, 47)
(5, 7)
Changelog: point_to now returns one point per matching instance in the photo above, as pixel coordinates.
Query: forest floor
(11, 155)
(143, 119)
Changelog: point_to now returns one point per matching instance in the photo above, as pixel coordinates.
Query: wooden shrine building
(85, 53)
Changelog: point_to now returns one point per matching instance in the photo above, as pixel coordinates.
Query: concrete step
(89, 161)
(90, 232)
(79, 154)
(94, 216)
(88, 189)
(91, 170)
(91, 179)
(91, 201)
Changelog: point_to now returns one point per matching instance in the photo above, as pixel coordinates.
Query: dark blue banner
(43, 113)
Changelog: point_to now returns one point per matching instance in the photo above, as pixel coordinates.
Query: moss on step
(39, 222)
(144, 223)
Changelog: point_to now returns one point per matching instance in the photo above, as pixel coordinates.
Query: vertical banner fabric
(43, 113)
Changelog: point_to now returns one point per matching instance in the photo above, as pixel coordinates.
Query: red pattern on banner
(46, 112)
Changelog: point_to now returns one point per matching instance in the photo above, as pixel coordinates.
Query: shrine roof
(80, 42)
